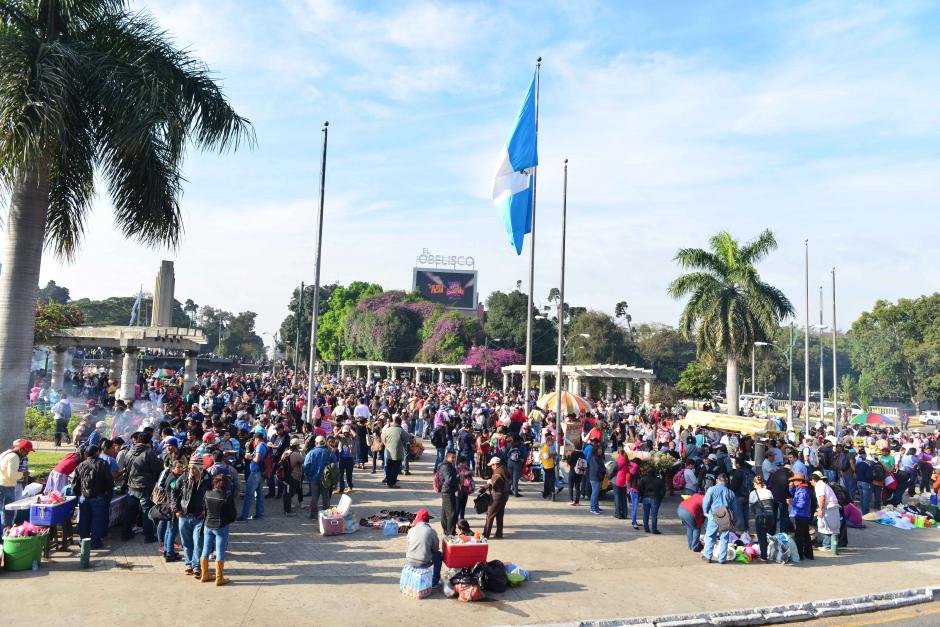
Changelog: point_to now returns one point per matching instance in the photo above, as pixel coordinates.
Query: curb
(776, 614)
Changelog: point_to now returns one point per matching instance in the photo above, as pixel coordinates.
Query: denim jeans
(215, 539)
(634, 505)
(595, 496)
(345, 472)
(740, 513)
(711, 536)
(191, 535)
(137, 503)
(254, 491)
(782, 511)
(864, 496)
(93, 518)
(848, 482)
(692, 531)
(620, 502)
(650, 506)
(440, 457)
(515, 471)
(7, 496)
(166, 531)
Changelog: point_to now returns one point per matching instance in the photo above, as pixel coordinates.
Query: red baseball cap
(24, 445)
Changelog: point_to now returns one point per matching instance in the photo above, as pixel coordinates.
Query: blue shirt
(261, 450)
(315, 461)
(800, 467)
(719, 495)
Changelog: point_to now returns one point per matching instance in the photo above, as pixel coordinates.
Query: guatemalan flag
(512, 187)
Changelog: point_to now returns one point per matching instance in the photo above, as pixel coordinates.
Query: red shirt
(693, 505)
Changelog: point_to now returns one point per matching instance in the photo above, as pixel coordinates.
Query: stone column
(440, 375)
(58, 368)
(629, 392)
(505, 382)
(573, 384)
(128, 374)
(610, 390)
(114, 366)
(559, 382)
(542, 382)
(647, 389)
(463, 378)
(342, 370)
(369, 374)
(189, 373)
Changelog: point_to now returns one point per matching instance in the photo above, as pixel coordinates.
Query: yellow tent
(724, 422)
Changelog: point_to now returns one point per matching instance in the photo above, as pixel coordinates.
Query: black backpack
(439, 437)
(878, 472)
(841, 495)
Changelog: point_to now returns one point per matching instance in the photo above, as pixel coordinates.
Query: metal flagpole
(300, 312)
(822, 384)
(529, 318)
(835, 371)
(561, 316)
(806, 341)
(311, 371)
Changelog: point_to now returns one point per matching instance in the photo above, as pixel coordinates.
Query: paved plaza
(582, 567)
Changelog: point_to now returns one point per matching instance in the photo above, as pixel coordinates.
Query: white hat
(101, 424)
(495, 461)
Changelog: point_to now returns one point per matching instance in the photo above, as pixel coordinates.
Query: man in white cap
(95, 438)
(314, 464)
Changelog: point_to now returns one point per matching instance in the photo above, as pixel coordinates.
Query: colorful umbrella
(163, 373)
(570, 403)
(869, 418)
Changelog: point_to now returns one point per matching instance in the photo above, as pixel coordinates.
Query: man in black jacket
(143, 468)
(93, 484)
(779, 486)
(188, 507)
(447, 473)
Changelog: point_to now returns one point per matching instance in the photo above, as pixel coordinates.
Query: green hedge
(41, 424)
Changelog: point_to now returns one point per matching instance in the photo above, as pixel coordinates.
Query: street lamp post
(486, 343)
(297, 319)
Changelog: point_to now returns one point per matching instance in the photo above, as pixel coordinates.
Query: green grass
(41, 462)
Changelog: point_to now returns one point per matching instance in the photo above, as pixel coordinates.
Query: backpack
(515, 455)
(284, 469)
(841, 494)
(438, 484)
(580, 466)
(468, 485)
(878, 472)
(439, 437)
(611, 468)
(678, 480)
(330, 476)
(267, 464)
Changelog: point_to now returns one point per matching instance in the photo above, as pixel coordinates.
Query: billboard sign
(452, 288)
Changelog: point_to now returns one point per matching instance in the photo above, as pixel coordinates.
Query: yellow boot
(220, 580)
(204, 570)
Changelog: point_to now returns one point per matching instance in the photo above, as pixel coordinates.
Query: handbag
(160, 511)
(482, 503)
(722, 516)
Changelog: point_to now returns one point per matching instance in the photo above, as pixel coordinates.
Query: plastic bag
(494, 576)
(389, 528)
(448, 589)
(469, 592)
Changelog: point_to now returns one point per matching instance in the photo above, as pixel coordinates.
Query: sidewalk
(583, 567)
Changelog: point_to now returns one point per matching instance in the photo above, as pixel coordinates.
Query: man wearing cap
(143, 469)
(345, 445)
(292, 461)
(717, 497)
(314, 464)
(254, 485)
(10, 474)
(447, 474)
(802, 506)
(423, 546)
(188, 502)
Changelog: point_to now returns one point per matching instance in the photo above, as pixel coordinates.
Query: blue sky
(820, 120)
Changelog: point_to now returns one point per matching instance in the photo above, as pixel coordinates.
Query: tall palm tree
(729, 307)
(88, 87)
(191, 308)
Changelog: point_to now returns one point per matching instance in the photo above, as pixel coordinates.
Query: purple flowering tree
(496, 358)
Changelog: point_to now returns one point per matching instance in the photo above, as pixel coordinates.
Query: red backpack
(267, 463)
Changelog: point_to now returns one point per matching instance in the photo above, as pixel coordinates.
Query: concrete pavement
(583, 567)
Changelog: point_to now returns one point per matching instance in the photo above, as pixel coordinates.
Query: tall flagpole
(561, 318)
(529, 318)
(835, 368)
(300, 313)
(806, 342)
(311, 372)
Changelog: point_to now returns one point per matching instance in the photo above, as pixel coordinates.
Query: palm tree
(191, 308)
(729, 307)
(86, 88)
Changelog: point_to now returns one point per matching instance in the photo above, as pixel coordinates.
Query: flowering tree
(51, 317)
(495, 358)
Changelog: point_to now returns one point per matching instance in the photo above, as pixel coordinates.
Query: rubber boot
(220, 579)
(204, 570)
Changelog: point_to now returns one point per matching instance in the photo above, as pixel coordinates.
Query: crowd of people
(185, 458)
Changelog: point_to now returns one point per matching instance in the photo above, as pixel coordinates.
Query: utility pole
(822, 384)
(835, 368)
(806, 342)
(300, 313)
(311, 372)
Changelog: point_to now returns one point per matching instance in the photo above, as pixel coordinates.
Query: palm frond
(758, 248)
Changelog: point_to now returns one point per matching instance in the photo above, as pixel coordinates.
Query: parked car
(931, 417)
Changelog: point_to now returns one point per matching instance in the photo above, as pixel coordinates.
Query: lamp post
(753, 361)
(821, 329)
(486, 343)
(300, 313)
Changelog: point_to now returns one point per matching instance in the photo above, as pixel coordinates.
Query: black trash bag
(469, 575)
(482, 503)
(494, 576)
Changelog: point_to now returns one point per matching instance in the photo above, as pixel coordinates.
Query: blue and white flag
(512, 186)
(136, 308)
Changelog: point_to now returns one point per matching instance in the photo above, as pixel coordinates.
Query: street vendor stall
(723, 422)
